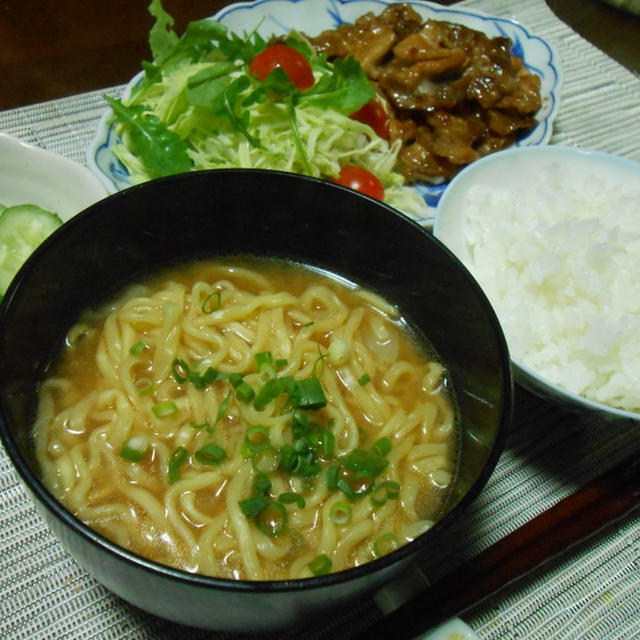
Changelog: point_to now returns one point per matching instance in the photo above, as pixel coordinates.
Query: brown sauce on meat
(452, 94)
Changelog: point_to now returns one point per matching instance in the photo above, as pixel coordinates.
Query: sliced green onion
(281, 363)
(299, 423)
(202, 380)
(210, 454)
(202, 425)
(212, 302)
(345, 487)
(266, 460)
(327, 444)
(261, 484)
(235, 379)
(164, 409)
(291, 497)
(177, 459)
(264, 359)
(384, 491)
(257, 437)
(299, 461)
(265, 364)
(134, 449)
(223, 408)
(210, 375)
(137, 348)
(340, 512)
(385, 544)
(252, 506)
(365, 462)
(245, 392)
(181, 370)
(333, 473)
(382, 446)
(144, 386)
(363, 379)
(309, 324)
(272, 520)
(309, 394)
(318, 366)
(272, 389)
(321, 565)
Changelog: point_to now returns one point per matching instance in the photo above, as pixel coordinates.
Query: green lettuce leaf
(162, 151)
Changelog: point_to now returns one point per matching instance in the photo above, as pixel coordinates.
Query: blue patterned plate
(313, 16)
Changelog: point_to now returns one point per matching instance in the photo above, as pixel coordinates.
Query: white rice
(560, 262)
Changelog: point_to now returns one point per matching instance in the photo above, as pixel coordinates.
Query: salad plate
(278, 17)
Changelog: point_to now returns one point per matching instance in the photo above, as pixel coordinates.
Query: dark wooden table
(55, 48)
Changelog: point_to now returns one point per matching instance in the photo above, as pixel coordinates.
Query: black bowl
(262, 213)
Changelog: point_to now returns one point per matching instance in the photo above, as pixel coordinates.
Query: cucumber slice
(22, 228)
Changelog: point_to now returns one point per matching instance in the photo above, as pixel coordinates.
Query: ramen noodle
(248, 419)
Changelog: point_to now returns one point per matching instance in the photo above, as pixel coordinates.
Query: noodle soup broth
(249, 419)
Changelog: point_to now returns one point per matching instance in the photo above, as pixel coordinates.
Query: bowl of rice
(552, 235)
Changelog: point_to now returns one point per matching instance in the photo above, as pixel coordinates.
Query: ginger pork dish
(450, 93)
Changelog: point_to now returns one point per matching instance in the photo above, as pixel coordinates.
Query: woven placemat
(591, 593)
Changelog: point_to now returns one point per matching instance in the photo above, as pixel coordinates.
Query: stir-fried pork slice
(368, 41)
(452, 93)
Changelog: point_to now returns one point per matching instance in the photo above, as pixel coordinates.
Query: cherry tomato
(292, 62)
(375, 116)
(361, 180)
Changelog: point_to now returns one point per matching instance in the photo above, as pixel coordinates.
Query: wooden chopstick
(610, 497)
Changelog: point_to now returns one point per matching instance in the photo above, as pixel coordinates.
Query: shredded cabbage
(314, 141)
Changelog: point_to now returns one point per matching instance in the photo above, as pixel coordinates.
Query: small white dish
(454, 629)
(512, 170)
(31, 175)
(277, 17)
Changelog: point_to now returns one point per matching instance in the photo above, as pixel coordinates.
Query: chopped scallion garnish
(382, 446)
(366, 462)
(309, 394)
(223, 408)
(346, 488)
(164, 409)
(137, 348)
(317, 370)
(363, 379)
(266, 460)
(245, 392)
(252, 506)
(385, 544)
(144, 386)
(291, 497)
(384, 491)
(333, 475)
(212, 302)
(340, 512)
(272, 520)
(321, 565)
(299, 423)
(181, 370)
(202, 425)
(210, 454)
(177, 459)
(257, 437)
(261, 484)
(134, 449)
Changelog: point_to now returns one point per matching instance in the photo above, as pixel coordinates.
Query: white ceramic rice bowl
(515, 167)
